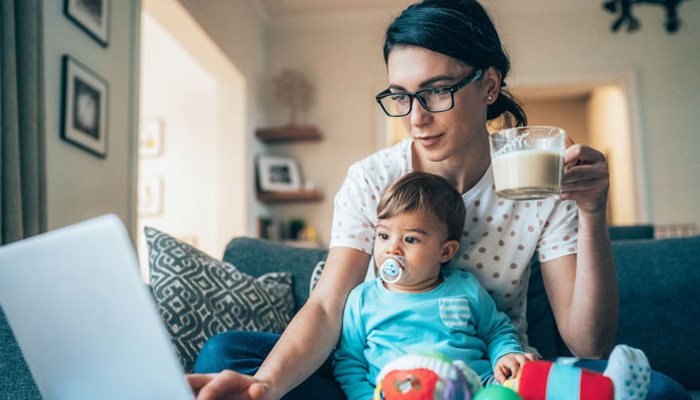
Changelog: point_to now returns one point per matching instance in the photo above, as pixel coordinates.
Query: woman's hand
(508, 365)
(228, 385)
(586, 179)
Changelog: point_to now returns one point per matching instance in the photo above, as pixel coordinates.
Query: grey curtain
(22, 154)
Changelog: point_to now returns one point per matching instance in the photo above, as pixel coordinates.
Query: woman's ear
(492, 84)
(449, 249)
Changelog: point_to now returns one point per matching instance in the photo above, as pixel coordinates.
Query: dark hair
(421, 191)
(462, 30)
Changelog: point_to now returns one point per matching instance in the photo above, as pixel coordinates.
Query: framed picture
(92, 16)
(150, 197)
(278, 174)
(151, 137)
(84, 113)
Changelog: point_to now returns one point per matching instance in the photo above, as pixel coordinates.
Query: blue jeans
(244, 352)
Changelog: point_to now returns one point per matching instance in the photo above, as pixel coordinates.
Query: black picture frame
(85, 98)
(92, 16)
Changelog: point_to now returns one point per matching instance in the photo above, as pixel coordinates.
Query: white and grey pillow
(199, 296)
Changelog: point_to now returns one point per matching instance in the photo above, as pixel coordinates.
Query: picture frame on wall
(278, 174)
(151, 137)
(92, 16)
(84, 107)
(150, 196)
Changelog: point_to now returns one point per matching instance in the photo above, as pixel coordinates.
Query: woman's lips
(427, 141)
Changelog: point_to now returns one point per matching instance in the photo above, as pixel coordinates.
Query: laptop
(86, 324)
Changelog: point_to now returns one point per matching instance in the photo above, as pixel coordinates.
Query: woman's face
(450, 134)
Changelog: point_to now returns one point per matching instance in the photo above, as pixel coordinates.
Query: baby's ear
(449, 249)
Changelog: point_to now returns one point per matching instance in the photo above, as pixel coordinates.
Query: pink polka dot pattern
(477, 203)
(501, 243)
(500, 229)
(465, 256)
(482, 249)
(485, 234)
(500, 203)
(480, 266)
(496, 275)
(489, 218)
(521, 247)
(513, 266)
(496, 258)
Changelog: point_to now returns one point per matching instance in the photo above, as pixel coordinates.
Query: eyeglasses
(433, 99)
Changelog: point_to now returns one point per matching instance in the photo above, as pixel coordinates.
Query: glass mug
(528, 161)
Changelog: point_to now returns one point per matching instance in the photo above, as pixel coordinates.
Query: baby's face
(420, 239)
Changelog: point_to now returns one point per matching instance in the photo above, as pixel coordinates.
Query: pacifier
(392, 269)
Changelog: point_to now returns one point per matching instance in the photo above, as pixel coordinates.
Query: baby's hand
(508, 365)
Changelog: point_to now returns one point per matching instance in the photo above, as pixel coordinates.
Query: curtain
(22, 154)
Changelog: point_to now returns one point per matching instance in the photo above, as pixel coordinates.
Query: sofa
(659, 311)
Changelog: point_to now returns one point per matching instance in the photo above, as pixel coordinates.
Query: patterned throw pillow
(199, 296)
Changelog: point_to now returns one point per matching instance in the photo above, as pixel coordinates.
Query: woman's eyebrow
(426, 82)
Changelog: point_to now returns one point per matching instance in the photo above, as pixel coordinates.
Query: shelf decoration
(293, 91)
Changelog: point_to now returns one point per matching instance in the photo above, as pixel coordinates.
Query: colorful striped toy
(547, 380)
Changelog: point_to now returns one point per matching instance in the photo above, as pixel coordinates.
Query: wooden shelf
(288, 197)
(288, 134)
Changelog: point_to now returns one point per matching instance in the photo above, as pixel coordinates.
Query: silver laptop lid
(87, 326)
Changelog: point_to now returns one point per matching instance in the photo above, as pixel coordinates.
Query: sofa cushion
(199, 296)
(15, 380)
(258, 256)
(659, 312)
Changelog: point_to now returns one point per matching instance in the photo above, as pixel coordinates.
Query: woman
(450, 48)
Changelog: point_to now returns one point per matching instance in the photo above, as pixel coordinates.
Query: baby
(415, 306)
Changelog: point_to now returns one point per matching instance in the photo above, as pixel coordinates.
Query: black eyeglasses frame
(476, 75)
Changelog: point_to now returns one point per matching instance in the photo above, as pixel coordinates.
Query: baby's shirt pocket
(455, 313)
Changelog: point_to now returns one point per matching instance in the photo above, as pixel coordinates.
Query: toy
(627, 376)
(542, 380)
(426, 376)
(495, 392)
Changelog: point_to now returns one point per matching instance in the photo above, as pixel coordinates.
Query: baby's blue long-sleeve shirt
(458, 319)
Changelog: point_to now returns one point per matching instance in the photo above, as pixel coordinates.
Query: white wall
(80, 185)
(546, 44)
(180, 92)
(238, 30)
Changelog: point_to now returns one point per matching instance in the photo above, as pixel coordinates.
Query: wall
(664, 67)
(194, 89)
(80, 185)
(186, 166)
(567, 113)
(239, 31)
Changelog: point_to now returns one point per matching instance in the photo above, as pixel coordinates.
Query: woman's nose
(419, 115)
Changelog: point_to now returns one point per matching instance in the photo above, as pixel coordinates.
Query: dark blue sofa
(659, 283)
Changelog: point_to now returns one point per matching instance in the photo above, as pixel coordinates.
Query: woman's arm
(304, 345)
(582, 289)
